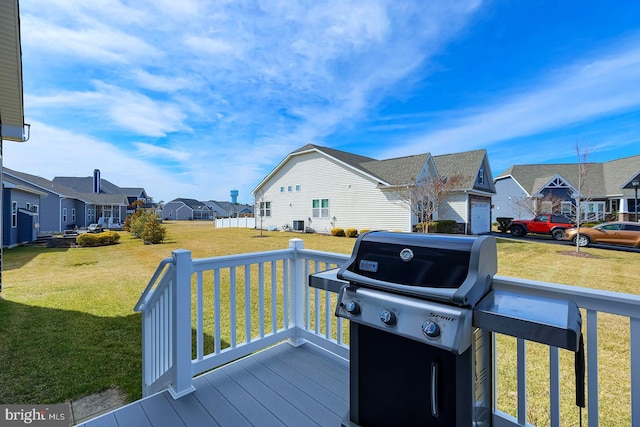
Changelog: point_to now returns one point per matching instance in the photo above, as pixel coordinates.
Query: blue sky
(195, 98)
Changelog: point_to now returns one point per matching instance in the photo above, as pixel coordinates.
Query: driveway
(551, 240)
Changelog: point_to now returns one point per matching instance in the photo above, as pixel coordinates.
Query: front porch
(242, 340)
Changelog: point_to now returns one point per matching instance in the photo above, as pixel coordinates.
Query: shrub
(364, 230)
(153, 232)
(338, 232)
(504, 223)
(97, 239)
(145, 225)
(442, 226)
(351, 232)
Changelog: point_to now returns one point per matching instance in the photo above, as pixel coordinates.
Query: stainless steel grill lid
(451, 269)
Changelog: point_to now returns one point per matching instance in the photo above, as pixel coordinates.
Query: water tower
(234, 197)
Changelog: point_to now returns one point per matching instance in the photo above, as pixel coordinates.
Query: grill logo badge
(406, 255)
(366, 265)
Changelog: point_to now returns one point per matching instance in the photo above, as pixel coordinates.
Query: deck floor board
(280, 386)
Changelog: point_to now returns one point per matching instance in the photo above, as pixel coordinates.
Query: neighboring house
(229, 209)
(185, 209)
(110, 204)
(322, 188)
(607, 191)
(65, 208)
(21, 206)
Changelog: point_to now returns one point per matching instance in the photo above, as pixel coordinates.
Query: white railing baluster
(635, 370)
(199, 317)
(521, 349)
(592, 368)
(327, 315)
(217, 341)
(232, 302)
(247, 303)
(274, 296)
(554, 386)
(261, 299)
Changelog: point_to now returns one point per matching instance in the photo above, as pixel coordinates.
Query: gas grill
(421, 310)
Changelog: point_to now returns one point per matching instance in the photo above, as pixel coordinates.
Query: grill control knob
(431, 329)
(352, 307)
(388, 317)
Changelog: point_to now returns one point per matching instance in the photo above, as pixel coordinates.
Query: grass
(68, 328)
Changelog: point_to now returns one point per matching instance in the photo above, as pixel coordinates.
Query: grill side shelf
(327, 280)
(552, 322)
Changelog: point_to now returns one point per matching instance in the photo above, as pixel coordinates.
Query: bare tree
(581, 195)
(424, 198)
(538, 205)
(260, 208)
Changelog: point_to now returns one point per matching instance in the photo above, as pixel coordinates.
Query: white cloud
(223, 90)
(595, 88)
(55, 152)
(150, 150)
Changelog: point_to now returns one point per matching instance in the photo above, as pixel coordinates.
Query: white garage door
(480, 217)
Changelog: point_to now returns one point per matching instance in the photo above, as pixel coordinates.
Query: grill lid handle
(441, 294)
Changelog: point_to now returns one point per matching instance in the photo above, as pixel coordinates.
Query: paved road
(550, 240)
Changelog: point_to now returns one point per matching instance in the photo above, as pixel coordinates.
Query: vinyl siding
(10, 233)
(354, 198)
(454, 208)
(507, 192)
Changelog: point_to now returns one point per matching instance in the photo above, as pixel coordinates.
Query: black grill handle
(434, 390)
(580, 373)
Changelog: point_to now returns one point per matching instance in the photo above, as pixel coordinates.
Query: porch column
(298, 284)
(181, 295)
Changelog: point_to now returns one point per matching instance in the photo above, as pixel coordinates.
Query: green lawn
(67, 326)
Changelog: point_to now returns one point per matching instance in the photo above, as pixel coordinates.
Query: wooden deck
(280, 386)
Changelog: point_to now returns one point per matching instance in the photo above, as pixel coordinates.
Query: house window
(289, 188)
(265, 208)
(481, 176)
(320, 208)
(14, 214)
(64, 214)
(566, 209)
(592, 211)
(297, 187)
(546, 207)
(73, 215)
(282, 189)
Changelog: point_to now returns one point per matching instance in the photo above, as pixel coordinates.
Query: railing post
(181, 328)
(296, 302)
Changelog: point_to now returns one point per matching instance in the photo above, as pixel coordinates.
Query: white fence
(246, 222)
(203, 313)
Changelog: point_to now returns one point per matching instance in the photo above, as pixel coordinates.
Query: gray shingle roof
(192, 203)
(58, 188)
(466, 164)
(601, 180)
(46, 184)
(402, 171)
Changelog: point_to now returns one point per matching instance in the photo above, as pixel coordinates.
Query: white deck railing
(200, 314)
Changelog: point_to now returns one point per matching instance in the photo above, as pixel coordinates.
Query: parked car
(94, 228)
(610, 233)
(553, 225)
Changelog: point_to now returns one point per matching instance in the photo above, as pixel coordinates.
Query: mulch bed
(578, 254)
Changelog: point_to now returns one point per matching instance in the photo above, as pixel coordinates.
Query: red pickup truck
(553, 225)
